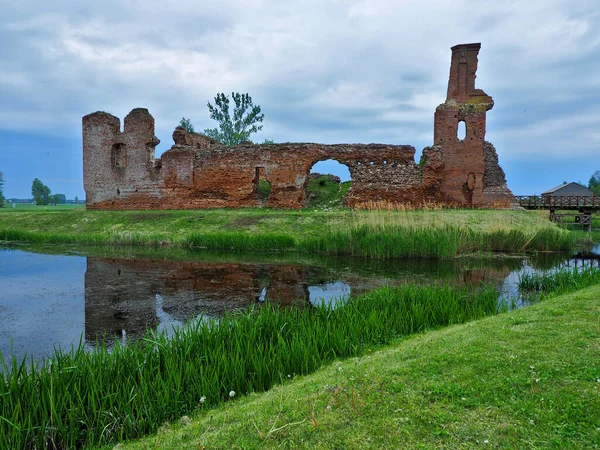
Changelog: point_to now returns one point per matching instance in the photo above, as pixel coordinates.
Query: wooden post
(587, 222)
(586, 219)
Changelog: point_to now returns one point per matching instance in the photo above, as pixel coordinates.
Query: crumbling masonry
(121, 172)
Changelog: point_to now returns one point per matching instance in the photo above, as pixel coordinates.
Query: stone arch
(322, 175)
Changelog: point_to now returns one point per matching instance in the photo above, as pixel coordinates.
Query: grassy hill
(526, 379)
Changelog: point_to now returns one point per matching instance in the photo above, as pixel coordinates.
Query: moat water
(51, 297)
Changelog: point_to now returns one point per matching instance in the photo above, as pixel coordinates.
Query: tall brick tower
(116, 162)
(464, 180)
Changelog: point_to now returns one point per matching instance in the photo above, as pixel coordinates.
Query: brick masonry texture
(121, 172)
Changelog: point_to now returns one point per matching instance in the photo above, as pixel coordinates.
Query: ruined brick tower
(471, 174)
(120, 170)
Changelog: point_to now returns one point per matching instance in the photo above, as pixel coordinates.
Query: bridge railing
(558, 202)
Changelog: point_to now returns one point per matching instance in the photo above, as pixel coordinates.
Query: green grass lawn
(526, 379)
(73, 218)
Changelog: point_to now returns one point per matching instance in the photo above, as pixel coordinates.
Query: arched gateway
(120, 171)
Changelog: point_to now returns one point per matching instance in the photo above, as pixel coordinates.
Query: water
(55, 296)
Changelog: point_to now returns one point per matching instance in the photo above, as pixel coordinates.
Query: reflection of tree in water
(546, 261)
(549, 261)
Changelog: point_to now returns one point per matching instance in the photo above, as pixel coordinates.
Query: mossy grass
(377, 234)
(526, 379)
(81, 398)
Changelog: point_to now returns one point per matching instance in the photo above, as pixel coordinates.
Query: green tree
(594, 183)
(186, 124)
(234, 130)
(40, 192)
(76, 200)
(57, 199)
(2, 199)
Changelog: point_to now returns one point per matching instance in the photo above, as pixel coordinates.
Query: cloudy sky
(322, 71)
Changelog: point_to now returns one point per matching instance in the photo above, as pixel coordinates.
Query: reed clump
(398, 234)
(80, 398)
(559, 281)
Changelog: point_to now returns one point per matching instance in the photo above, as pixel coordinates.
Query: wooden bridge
(585, 205)
(558, 202)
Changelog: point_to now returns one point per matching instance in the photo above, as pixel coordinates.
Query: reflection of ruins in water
(124, 297)
(49, 299)
(131, 295)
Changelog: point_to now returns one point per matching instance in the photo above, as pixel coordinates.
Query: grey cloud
(353, 71)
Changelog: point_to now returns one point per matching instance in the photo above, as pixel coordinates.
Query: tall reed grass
(79, 399)
(559, 281)
(446, 241)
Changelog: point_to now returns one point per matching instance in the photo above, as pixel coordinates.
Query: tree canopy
(594, 183)
(40, 192)
(56, 199)
(186, 124)
(237, 128)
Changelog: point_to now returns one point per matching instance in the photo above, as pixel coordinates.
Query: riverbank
(377, 234)
(82, 398)
(164, 375)
(528, 378)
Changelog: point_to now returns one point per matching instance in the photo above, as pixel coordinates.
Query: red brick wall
(121, 172)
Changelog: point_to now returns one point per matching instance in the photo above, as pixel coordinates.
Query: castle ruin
(120, 170)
